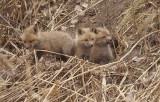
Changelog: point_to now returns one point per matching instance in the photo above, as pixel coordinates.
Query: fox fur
(84, 42)
(56, 41)
(102, 52)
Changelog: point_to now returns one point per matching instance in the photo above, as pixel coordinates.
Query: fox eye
(103, 37)
(86, 40)
(92, 38)
(24, 41)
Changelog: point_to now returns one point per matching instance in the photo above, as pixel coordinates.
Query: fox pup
(56, 41)
(84, 42)
(101, 52)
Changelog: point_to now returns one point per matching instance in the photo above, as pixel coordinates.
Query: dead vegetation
(134, 77)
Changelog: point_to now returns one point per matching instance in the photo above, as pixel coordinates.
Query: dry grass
(134, 77)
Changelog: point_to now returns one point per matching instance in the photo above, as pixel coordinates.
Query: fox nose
(27, 47)
(110, 40)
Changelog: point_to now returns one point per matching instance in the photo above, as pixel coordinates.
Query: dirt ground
(104, 14)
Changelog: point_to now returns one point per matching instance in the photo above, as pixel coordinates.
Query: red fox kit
(101, 52)
(55, 41)
(84, 43)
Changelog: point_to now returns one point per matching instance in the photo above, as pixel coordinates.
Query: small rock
(73, 21)
(72, 26)
(78, 8)
(63, 28)
(85, 5)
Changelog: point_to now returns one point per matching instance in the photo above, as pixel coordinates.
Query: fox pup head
(29, 38)
(103, 36)
(86, 37)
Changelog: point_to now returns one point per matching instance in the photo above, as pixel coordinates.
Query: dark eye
(103, 37)
(24, 41)
(92, 38)
(30, 41)
(86, 40)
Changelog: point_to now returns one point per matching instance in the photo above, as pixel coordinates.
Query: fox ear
(34, 29)
(80, 31)
(94, 30)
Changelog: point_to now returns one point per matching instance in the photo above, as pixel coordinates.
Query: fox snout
(90, 44)
(28, 46)
(110, 40)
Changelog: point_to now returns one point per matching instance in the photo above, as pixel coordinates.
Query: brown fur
(84, 43)
(101, 52)
(56, 41)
